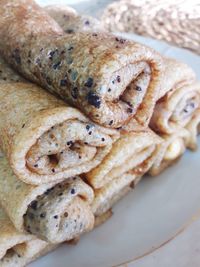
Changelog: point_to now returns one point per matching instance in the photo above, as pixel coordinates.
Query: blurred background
(174, 21)
(177, 21)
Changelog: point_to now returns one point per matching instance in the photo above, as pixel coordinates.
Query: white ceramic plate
(152, 214)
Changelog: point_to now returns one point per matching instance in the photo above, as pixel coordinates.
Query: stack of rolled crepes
(125, 111)
(176, 115)
(46, 145)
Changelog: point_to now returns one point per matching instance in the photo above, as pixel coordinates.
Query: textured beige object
(179, 99)
(44, 139)
(123, 173)
(109, 194)
(112, 192)
(194, 128)
(18, 249)
(128, 152)
(54, 213)
(177, 22)
(99, 220)
(71, 22)
(131, 156)
(7, 74)
(110, 79)
(169, 150)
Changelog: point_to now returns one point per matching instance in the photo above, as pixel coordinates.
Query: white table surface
(184, 249)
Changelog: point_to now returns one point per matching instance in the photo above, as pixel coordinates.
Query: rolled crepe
(109, 78)
(18, 249)
(44, 139)
(129, 152)
(179, 98)
(169, 151)
(193, 128)
(71, 22)
(54, 213)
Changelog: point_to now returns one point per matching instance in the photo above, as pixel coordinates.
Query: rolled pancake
(179, 98)
(193, 129)
(54, 213)
(169, 150)
(127, 153)
(71, 22)
(18, 249)
(109, 78)
(44, 139)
